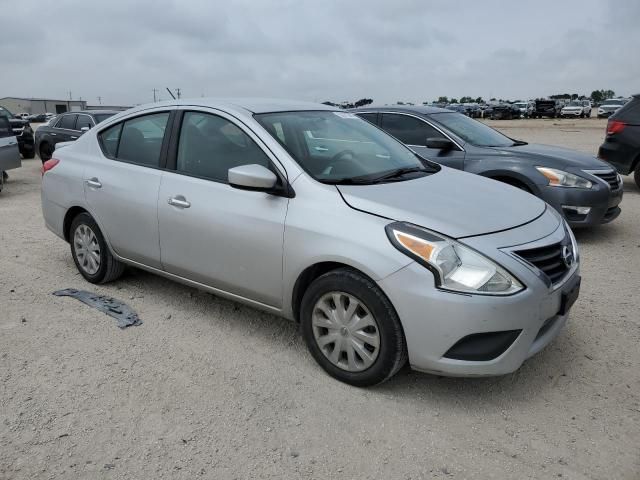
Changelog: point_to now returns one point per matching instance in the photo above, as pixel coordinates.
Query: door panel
(212, 233)
(126, 207)
(123, 191)
(226, 238)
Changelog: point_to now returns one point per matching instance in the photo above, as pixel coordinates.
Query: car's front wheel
(90, 252)
(352, 329)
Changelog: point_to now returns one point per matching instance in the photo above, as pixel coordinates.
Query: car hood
(573, 107)
(454, 203)
(609, 107)
(552, 156)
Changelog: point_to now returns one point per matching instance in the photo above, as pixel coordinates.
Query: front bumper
(602, 201)
(435, 320)
(571, 113)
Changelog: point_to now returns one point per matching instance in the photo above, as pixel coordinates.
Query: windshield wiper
(398, 172)
(518, 143)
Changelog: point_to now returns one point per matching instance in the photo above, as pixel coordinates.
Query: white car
(609, 107)
(526, 109)
(577, 108)
(22, 116)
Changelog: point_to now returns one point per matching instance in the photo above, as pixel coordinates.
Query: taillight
(48, 165)
(615, 126)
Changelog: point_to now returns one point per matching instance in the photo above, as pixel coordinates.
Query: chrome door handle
(53, 134)
(321, 149)
(94, 183)
(179, 201)
(12, 143)
(74, 137)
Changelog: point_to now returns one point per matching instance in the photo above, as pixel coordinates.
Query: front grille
(548, 260)
(610, 177)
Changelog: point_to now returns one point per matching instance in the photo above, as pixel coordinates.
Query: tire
(100, 267)
(1, 179)
(636, 175)
(29, 155)
(45, 151)
(383, 327)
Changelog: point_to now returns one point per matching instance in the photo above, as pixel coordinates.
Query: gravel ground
(208, 388)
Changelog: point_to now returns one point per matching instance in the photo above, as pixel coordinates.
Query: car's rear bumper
(620, 155)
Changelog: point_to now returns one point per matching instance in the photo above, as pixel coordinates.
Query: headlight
(559, 178)
(454, 266)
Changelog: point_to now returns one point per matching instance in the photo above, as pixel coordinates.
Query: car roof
(420, 109)
(250, 105)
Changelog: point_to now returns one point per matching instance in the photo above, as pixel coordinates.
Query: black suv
(621, 147)
(23, 132)
(547, 108)
(67, 128)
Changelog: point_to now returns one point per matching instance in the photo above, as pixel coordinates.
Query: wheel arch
(71, 213)
(309, 274)
(512, 178)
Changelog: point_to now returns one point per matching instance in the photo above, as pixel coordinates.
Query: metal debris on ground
(109, 305)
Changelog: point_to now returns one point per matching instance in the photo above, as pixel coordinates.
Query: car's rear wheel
(46, 151)
(90, 252)
(351, 328)
(636, 174)
(29, 155)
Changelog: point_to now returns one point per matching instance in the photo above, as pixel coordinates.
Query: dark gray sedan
(585, 190)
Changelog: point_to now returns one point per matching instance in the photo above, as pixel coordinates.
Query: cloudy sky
(388, 50)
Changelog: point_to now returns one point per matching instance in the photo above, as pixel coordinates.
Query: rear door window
(369, 117)
(138, 140)
(84, 121)
(67, 121)
(141, 139)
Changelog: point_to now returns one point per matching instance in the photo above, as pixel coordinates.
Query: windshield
(521, 105)
(340, 147)
(101, 117)
(612, 102)
(472, 131)
(575, 104)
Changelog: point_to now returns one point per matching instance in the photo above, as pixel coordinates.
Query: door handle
(179, 201)
(53, 134)
(321, 149)
(94, 183)
(74, 137)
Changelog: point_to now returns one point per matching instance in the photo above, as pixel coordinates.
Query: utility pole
(69, 95)
(99, 100)
(154, 95)
(178, 93)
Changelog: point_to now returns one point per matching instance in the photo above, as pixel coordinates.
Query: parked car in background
(67, 127)
(609, 107)
(547, 108)
(525, 108)
(22, 116)
(577, 108)
(39, 118)
(23, 133)
(585, 190)
(9, 151)
(505, 111)
(233, 198)
(621, 147)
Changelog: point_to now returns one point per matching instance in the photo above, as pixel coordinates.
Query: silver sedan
(316, 215)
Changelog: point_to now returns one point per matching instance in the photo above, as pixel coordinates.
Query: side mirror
(84, 129)
(252, 177)
(443, 144)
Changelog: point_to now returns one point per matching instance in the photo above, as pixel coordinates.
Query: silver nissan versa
(318, 216)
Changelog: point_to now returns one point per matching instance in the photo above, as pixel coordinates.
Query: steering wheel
(340, 159)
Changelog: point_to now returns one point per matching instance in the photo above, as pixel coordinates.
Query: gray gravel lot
(207, 388)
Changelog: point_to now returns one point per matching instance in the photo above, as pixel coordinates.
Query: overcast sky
(388, 50)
